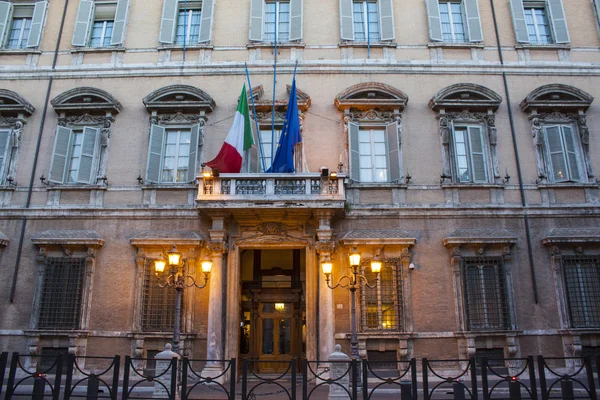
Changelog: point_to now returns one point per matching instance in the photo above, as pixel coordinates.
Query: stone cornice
(557, 96)
(11, 102)
(86, 99)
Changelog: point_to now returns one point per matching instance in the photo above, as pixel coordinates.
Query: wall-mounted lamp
(43, 180)
(443, 178)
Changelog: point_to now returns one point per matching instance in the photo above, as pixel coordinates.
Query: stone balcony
(307, 191)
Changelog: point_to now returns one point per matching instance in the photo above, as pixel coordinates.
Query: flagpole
(274, 86)
(260, 146)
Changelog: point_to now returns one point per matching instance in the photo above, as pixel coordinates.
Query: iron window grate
(381, 307)
(158, 304)
(60, 303)
(582, 282)
(485, 293)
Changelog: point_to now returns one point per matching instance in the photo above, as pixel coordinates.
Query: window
(366, 20)
(76, 155)
(372, 152)
(100, 23)
(539, 22)
(469, 154)
(454, 21)
(186, 23)
(21, 24)
(582, 283)
(158, 304)
(560, 133)
(281, 20)
(381, 307)
(173, 154)
(266, 138)
(60, 305)
(485, 293)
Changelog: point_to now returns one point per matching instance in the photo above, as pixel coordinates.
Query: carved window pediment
(466, 96)
(264, 107)
(557, 97)
(179, 98)
(379, 97)
(86, 99)
(11, 104)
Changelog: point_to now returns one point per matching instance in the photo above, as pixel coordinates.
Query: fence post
(294, 364)
(69, 375)
(57, 380)
(115, 382)
(184, 378)
(3, 361)
(590, 377)
(542, 374)
(473, 366)
(365, 380)
(425, 380)
(173, 378)
(514, 390)
(11, 375)
(126, 377)
(354, 378)
(244, 378)
(533, 385)
(305, 379)
(232, 376)
(484, 379)
(413, 367)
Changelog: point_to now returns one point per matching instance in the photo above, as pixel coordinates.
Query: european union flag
(290, 135)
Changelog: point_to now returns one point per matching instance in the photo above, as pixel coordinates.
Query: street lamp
(354, 281)
(179, 280)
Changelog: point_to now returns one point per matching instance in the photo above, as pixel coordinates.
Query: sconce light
(326, 265)
(333, 175)
(376, 263)
(354, 257)
(280, 307)
(207, 264)
(159, 265)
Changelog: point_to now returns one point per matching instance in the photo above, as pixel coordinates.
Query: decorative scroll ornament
(325, 247)
(373, 114)
(217, 247)
(180, 117)
(87, 119)
(271, 233)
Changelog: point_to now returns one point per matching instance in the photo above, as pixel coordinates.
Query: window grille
(381, 307)
(485, 293)
(158, 305)
(60, 303)
(582, 282)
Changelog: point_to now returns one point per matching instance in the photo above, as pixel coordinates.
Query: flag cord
(274, 85)
(260, 146)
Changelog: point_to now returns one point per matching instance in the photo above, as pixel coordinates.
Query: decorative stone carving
(325, 247)
(217, 247)
(270, 233)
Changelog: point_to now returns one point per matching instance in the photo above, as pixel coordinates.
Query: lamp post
(179, 280)
(353, 282)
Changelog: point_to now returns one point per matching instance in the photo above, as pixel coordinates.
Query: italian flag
(238, 140)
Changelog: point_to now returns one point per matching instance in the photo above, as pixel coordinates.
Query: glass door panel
(268, 336)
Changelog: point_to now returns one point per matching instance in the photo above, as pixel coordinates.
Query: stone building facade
(464, 137)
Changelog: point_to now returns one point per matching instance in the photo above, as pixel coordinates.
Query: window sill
(578, 331)
(19, 51)
(376, 185)
(8, 188)
(56, 332)
(270, 45)
(568, 185)
(365, 44)
(553, 46)
(58, 186)
(490, 332)
(97, 49)
(168, 186)
(452, 45)
(187, 47)
(473, 185)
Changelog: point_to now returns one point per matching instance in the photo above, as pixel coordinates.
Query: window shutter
(346, 20)
(386, 20)
(558, 20)
(206, 21)
(37, 23)
(473, 20)
(257, 12)
(556, 153)
(155, 149)
(168, 21)
(252, 164)
(518, 16)
(60, 153)
(5, 17)
(477, 154)
(597, 11)
(354, 151)
(435, 23)
(83, 22)
(4, 144)
(119, 28)
(296, 8)
(393, 147)
(193, 158)
(571, 153)
(89, 155)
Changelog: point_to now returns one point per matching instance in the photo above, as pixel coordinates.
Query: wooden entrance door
(276, 336)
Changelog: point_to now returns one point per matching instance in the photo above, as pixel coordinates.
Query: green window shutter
(435, 23)
(386, 20)
(473, 20)
(257, 12)
(571, 151)
(37, 23)
(393, 147)
(518, 16)
(90, 152)
(206, 21)
(120, 26)
(155, 150)
(5, 18)
(346, 20)
(83, 23)
(558, 21)
(296, 7)
(353, 131)
(193, 157)
(60, 154)
(4, 153)
(477, 154)
(168, 21)
(556, 154)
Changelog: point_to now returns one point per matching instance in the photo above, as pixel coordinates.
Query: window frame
(166, 298)
(187, 32)
(169, 22)
(87, 17)
(456, 176)
(554, 13)
(592, 259)
(385, 22)
(37, 16)
(564, 151)
(366, 21)
(471, 22)
(536, 31)
(453, 38)
(397, 283)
